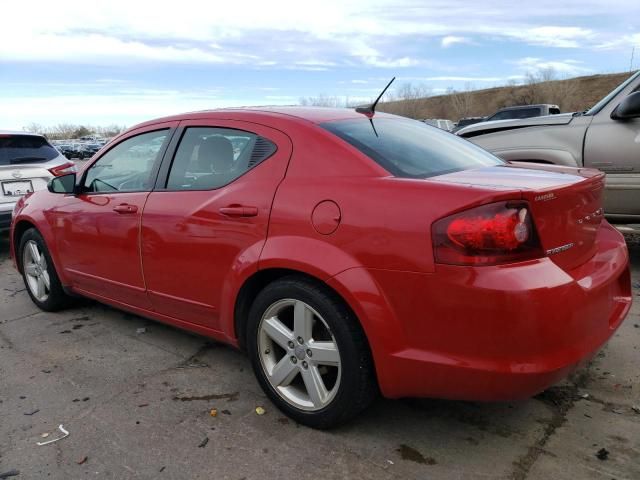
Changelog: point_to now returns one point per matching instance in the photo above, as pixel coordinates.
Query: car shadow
(4, 245)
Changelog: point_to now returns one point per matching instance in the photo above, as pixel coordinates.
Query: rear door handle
(125, 208)
(239, 211)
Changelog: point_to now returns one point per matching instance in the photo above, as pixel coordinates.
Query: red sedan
(347, 253)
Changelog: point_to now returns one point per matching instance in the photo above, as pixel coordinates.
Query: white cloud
(128, 106)
(453, 78)
(95, 48)
(565, 67)
(626, 41)
(553, 36)
(258, 33)
(450, 40)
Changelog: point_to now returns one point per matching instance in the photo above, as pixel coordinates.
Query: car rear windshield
(20, 149)
(409, 148)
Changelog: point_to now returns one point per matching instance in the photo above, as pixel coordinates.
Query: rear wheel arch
(260, 280)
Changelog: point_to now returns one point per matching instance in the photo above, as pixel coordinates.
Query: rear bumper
(495, 333)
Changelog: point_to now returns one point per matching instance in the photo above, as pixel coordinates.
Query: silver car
(27, 163)
(606, 137)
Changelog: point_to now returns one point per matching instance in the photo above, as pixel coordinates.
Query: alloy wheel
(34, 264)
(299, 354)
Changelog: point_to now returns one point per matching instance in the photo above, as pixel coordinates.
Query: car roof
(16, 132)
(295, 113)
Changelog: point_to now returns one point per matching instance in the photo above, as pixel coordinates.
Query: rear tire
(39, 274)
(309, 353)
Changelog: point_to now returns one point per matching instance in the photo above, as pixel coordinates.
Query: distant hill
(573, 94)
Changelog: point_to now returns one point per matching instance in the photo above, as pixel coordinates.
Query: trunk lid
(565, 204)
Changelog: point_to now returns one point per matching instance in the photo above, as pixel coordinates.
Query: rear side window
(209, 157)
(20, 149)
(409, 148)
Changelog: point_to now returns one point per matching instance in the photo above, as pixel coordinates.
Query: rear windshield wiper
(13, 161)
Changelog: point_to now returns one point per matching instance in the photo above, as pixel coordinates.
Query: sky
(127, 61)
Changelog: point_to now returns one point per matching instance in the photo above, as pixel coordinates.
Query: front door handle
(125, 208)
(239, 211)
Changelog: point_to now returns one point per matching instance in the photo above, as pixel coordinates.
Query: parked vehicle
(524, 111)
(90, 149)
(465, 122)
(606, 137)
(74, 151)
(347, 253)
(441, 123)
(27, 162)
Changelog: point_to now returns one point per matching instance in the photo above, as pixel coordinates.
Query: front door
(209, 214)
(613, 146)
(97, 231)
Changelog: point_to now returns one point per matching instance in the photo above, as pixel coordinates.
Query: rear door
(208, 216)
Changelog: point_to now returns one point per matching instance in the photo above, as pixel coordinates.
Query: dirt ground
(137, 405)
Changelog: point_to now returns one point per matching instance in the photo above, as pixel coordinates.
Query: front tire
(39, 274)
(309, 353)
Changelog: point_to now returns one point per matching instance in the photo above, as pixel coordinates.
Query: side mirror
(628, 108)
(63, 184)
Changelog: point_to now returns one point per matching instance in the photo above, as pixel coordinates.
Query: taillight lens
(487, 235)
(64, 169)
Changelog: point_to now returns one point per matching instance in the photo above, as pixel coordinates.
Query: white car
(27, 163)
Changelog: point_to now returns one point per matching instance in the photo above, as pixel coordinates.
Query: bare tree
(462, 101)
(34, 128)
(408, 100)
(323, 100)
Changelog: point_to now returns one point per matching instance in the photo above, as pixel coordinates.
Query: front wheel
(309, 353)
(39, 274)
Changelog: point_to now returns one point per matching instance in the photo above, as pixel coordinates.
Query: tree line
(65, 131)
(417, 100)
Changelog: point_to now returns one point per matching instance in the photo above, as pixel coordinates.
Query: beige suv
(606, 137)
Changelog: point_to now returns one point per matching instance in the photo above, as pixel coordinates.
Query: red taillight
(487, 235)
(65, 168)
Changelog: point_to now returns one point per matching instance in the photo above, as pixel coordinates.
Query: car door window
(127, 167)
(210, 157)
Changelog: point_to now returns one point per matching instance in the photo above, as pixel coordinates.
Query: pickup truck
(605, 137)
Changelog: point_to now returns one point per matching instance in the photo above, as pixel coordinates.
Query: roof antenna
(370, 110)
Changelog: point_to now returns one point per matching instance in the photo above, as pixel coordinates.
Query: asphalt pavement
(137, 397)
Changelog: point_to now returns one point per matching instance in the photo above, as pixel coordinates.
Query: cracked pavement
(137, 406)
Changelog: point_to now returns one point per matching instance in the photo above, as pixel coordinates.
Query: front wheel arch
(18, 231)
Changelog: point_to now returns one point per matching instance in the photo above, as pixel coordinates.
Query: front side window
(409, 148)
(209, 157)
(127, 167)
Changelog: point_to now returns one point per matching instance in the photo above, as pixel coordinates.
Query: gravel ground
(137, 404)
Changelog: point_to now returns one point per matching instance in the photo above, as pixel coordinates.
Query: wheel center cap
(300, 352)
